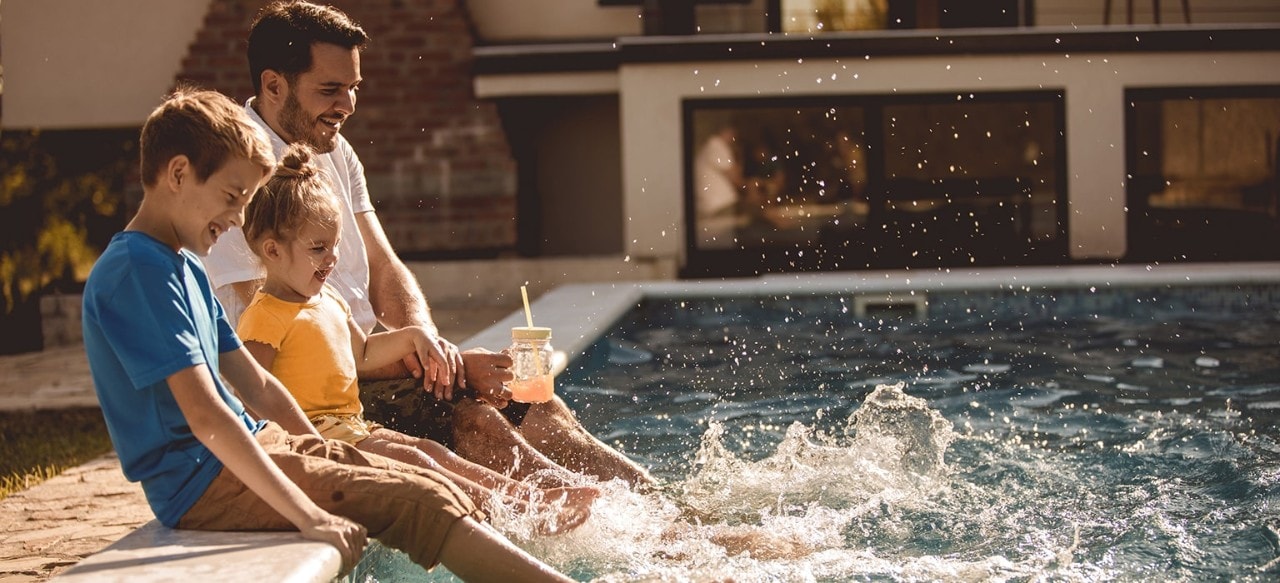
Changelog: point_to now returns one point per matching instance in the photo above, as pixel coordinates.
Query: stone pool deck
(46, 529)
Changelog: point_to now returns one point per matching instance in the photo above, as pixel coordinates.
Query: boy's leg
(476, 552)
(410, 509)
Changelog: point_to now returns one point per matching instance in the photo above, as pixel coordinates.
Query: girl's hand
(443, 364)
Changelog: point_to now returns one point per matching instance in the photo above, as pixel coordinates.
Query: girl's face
(303, 264)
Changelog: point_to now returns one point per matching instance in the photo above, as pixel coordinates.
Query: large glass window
(1202, 174)
(874, 182)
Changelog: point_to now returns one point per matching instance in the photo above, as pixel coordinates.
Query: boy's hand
(488, 372)
(348, 537)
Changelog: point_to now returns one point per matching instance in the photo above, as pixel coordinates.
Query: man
(305, 62)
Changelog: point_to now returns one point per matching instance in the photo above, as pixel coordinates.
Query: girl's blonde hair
(297, 194)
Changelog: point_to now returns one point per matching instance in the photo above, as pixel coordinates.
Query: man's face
(320, 100)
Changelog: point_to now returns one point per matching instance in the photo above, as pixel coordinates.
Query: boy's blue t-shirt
(148, 313)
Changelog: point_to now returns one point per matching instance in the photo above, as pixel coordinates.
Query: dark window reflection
(1202, 174)
(874, 182)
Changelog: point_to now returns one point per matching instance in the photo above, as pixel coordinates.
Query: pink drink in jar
(531, 365)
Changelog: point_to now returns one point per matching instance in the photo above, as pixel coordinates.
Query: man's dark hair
(283, 32)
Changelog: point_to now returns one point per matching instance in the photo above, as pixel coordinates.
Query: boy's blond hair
(297, 194)
(206, 127)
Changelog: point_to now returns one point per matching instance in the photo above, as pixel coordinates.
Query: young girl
(302, 331)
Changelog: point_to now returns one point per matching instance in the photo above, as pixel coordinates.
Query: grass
(38, 445)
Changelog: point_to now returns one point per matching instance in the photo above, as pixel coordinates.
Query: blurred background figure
(719, 185)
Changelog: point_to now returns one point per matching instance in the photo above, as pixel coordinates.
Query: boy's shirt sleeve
(151, 328)
(228, 340)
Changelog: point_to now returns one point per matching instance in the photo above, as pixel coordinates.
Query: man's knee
(474, 418)
(550, 417)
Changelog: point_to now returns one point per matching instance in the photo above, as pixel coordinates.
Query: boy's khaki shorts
(403, 506)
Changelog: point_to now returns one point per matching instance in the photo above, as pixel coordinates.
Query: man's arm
(219, 430)
(398, 302)
(245, 290)
(262, 393)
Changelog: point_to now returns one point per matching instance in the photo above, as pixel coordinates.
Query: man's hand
(348, 537)
(487, 372)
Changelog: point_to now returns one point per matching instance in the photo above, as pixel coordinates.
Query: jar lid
(527, 333)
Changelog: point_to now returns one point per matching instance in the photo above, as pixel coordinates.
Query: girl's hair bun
(296, 162)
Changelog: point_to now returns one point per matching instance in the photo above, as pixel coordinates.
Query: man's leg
(476, 431)
(481, 434)
(555, 431)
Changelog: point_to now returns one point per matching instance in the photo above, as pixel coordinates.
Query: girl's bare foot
(564, 509)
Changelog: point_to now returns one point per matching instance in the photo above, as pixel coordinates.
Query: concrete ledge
(160, 554)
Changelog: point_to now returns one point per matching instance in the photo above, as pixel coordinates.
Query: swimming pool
(966, 428)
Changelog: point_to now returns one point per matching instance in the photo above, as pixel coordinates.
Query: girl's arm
(219, 430)
(378, 350)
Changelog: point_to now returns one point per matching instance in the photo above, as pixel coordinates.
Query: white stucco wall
(91, 64)
(1094, 85)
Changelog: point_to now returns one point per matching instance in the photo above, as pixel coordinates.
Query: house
(871, 135)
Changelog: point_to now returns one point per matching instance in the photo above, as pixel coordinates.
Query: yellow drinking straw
(528, 315)
(528, 318)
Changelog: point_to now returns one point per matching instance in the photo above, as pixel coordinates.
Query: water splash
(785, 516)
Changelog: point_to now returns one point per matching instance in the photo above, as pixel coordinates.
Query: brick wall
(437, 161)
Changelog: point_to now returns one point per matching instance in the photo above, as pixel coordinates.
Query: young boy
(159, 347)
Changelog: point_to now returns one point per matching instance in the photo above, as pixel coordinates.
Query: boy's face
(209, 208)
(308, 259)
(321, 99)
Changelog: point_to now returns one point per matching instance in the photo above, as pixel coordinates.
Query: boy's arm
(262, 393)
(219, 430)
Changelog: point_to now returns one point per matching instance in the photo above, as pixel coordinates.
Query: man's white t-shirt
(230, 261)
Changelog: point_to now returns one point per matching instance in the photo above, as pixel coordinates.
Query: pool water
(1021, 435)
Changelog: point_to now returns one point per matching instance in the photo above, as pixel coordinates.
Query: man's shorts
(403, 405)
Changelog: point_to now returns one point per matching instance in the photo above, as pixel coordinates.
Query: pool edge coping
(578, 314)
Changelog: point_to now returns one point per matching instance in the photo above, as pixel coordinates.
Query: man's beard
(301, 128)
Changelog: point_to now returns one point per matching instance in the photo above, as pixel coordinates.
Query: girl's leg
(478, 473)
(416, 457)
(480, 482)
